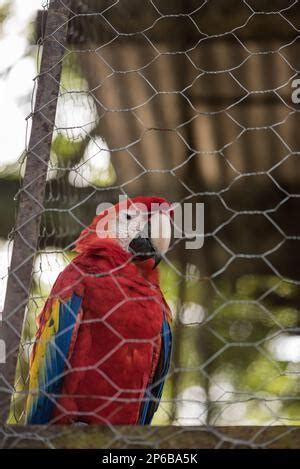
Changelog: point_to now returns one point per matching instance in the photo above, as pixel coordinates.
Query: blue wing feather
(154, 390)
(51, 369)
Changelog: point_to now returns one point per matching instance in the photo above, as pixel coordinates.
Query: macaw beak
(157, 258)
(154, 241)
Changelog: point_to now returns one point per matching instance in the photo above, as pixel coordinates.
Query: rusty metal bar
(31, 195)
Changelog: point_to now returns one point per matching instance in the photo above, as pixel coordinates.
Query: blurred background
(192, 101)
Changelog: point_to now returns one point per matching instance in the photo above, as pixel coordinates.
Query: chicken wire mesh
(192, 101)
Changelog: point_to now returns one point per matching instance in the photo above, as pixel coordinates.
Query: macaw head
(140, 225)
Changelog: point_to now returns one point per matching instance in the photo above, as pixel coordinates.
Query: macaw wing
(52, 349)
(155, 388)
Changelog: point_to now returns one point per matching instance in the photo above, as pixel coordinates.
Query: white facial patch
(131, 222)
(134, 222)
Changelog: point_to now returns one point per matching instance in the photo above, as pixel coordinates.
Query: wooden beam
(164, 437)
(181, 23)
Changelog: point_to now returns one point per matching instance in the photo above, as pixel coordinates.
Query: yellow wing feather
(38, 358)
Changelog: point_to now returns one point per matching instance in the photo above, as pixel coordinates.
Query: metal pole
(31, 196)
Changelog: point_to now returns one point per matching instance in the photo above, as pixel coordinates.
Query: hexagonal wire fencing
(195, 101)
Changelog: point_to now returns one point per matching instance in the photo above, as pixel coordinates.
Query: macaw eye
(129, 217)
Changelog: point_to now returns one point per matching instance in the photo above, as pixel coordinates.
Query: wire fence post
(31, 196)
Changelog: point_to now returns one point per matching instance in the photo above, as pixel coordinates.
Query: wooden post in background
(31, 195)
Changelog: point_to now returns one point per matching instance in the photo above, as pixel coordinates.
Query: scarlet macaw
(103, 346)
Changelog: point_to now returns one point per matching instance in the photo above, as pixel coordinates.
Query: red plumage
(116, 342)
